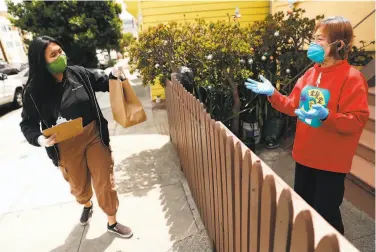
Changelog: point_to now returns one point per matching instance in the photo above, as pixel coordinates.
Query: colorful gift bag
(309, 96)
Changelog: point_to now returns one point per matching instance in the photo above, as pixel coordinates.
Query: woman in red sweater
(330, 100)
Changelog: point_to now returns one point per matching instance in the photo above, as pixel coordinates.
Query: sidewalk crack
(186, 238)
(189, 205)
(82, 236)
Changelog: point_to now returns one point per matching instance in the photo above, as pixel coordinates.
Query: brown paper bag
(65, 130)
(127, 109)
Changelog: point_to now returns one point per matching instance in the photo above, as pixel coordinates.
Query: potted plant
(158, 99)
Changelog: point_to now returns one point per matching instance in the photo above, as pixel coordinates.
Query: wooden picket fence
(244, 205)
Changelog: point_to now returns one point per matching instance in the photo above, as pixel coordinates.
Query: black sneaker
(120, 230)
(87, 212)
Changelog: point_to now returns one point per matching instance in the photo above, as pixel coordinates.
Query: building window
(9, 44)
(4, 28)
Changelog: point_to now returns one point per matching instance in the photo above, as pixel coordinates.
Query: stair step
(371, 96)
(370, 125)
(371, 109)
(364, 171)
(360, 195)
(368, 70)
(371, 90)
(366, 146)
(368, 139)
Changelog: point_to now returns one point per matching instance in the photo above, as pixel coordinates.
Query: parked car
(13, 68)
(3, 64)
(8, 70)
(11, 89)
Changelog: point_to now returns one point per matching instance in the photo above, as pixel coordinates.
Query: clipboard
(65, 130)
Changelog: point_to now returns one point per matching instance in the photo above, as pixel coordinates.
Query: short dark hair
(337, 28)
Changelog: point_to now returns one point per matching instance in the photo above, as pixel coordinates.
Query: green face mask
(58, 65)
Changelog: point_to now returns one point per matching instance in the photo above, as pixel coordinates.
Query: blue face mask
(316, 53)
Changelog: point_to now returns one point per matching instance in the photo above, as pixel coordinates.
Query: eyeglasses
(316, 39)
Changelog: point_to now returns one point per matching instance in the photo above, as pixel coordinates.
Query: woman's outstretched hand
(264, 87)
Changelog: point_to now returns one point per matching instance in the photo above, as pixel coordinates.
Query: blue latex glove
(300, 114)
(264, 87)
(317, 111)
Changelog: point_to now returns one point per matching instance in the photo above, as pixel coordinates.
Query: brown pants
(85, 158)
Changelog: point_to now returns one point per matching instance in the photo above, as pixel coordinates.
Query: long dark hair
(40, 81)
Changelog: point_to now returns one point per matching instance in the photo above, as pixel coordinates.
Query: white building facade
(12, 49)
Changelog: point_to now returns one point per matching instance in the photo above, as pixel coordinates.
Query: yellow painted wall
(155, 12)
(355, 11)
(132, 7)
(157, 90)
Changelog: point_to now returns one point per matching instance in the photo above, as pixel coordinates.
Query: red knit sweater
(331, 146)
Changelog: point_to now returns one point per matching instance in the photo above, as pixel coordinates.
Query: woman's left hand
(118, 70)
(317, 111)
(264, 87)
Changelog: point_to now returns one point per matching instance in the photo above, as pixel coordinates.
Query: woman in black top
(56, 92)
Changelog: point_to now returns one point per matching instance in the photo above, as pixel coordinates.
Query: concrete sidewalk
(38, 214)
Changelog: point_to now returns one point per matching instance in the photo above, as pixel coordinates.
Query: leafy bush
(222, 55)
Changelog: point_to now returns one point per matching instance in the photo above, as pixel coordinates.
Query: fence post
(238, 158)
(302, 239)
(217, 136)
(179, 118)
(195, 140)
(210, 180)
(215, 167)
(256, 185)
(230, 185)
(189, 124)
(284, 220)
(328, 243)
(245, 203)
(201, 157)
(205, 167)
(268, 210)
(224, 157)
